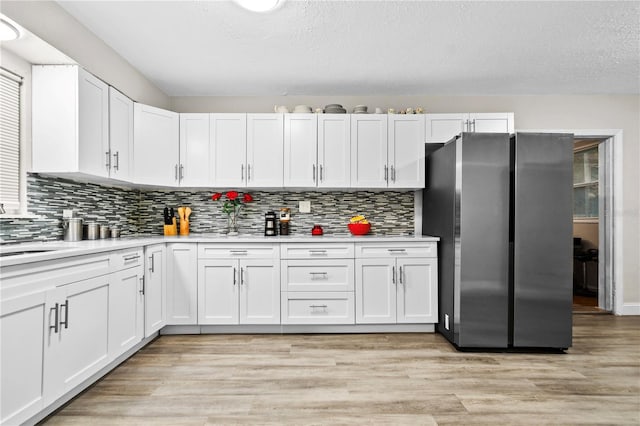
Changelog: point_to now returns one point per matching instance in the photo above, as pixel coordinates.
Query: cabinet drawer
(315, 251)
(396, 250)
(317, 275)
(318, 307)
(124, 259)
(238, 251)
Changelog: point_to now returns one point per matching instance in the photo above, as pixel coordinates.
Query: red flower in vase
(247, 198)
(232, 195)
(216, 196)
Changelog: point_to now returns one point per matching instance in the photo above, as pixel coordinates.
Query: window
(10, 140)
(585, 184)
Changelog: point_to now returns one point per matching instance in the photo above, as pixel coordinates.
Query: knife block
(170, 230)
(184, 227)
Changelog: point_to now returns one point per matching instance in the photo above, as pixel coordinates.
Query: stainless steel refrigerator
(502, 207)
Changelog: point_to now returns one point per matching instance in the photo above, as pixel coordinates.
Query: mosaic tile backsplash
(140, 212)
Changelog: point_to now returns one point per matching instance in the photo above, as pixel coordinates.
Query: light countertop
(60, 249)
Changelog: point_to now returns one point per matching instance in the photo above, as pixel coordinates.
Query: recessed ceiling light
(260, 5)
(8, 31)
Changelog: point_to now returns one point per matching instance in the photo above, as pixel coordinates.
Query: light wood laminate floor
(369, 379)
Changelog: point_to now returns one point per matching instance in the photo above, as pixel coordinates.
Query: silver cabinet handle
(55, 319)
(66, 314)
(108, 163)
(181, 171)
(241, 171)
(400, 275)
(317, 251)
(466, 126)
(386, 173)
(130, 258)
(241, 276)
(175, 171)
(393, 275)
(393, 173)
(248, 172)
(116, 157)
(314, 172)
(238, 252)
(318, 306)
(321, 174)
(234, 276)
(323, 275)
(474, 124)
(142, 285)
(397, 250)
(152, 268)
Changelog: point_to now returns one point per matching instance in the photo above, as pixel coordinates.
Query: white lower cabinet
(126, 310)
(238, 291)
(182, 283)
(394, 288)
(76, 334)
(155, 289)
(22, 343)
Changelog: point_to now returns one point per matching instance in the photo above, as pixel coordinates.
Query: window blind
(10, 139)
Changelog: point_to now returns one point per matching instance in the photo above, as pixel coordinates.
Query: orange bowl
(359, 228)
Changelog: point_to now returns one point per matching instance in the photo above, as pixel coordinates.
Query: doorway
(590, 166)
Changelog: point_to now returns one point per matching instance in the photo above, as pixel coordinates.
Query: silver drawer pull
(130, 258)
(397, 249)
(314, 307)
(238, 251)
(319, 275)
(317, 251)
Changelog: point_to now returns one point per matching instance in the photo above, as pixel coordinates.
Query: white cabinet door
(182, 283)
(375, 291)
(120, 135)
(334, 150)
(406, 151)
(259, 291)
(417, 284)
(218, 289)
(77, 343)
(441, 128)
(265, 139)
(369, 167)
(155, 289)
(155, 145)
(300, 150)
(93, 125)
(501, 122)
(194, 150)
(22, 321)
(228, 149)
(70, 121)
(126, 310)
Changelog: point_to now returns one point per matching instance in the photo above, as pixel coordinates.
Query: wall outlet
(304, 206)
(446, 321)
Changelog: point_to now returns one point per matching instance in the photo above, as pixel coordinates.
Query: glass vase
(232, 224)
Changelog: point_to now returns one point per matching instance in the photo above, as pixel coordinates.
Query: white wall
(531, 112)
(54, 25)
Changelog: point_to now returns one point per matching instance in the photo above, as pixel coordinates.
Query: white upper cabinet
(369, 168)
(441, 128)
(120, 135)
(156, 146)
(194, 169)
(265, 138)
(228, 146)
(300, 150)
(406, 151)
(334, 150)
(70, 121)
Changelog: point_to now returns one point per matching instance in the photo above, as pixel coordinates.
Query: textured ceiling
(215, 48)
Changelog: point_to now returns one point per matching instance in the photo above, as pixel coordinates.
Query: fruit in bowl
(359, 225)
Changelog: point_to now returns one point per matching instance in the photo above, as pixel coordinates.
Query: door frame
(613, 261)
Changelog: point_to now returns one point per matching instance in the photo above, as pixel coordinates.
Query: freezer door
(481, 299)
(542, 240)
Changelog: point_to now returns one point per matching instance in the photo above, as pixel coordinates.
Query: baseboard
(298, 329)
(630, 309)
